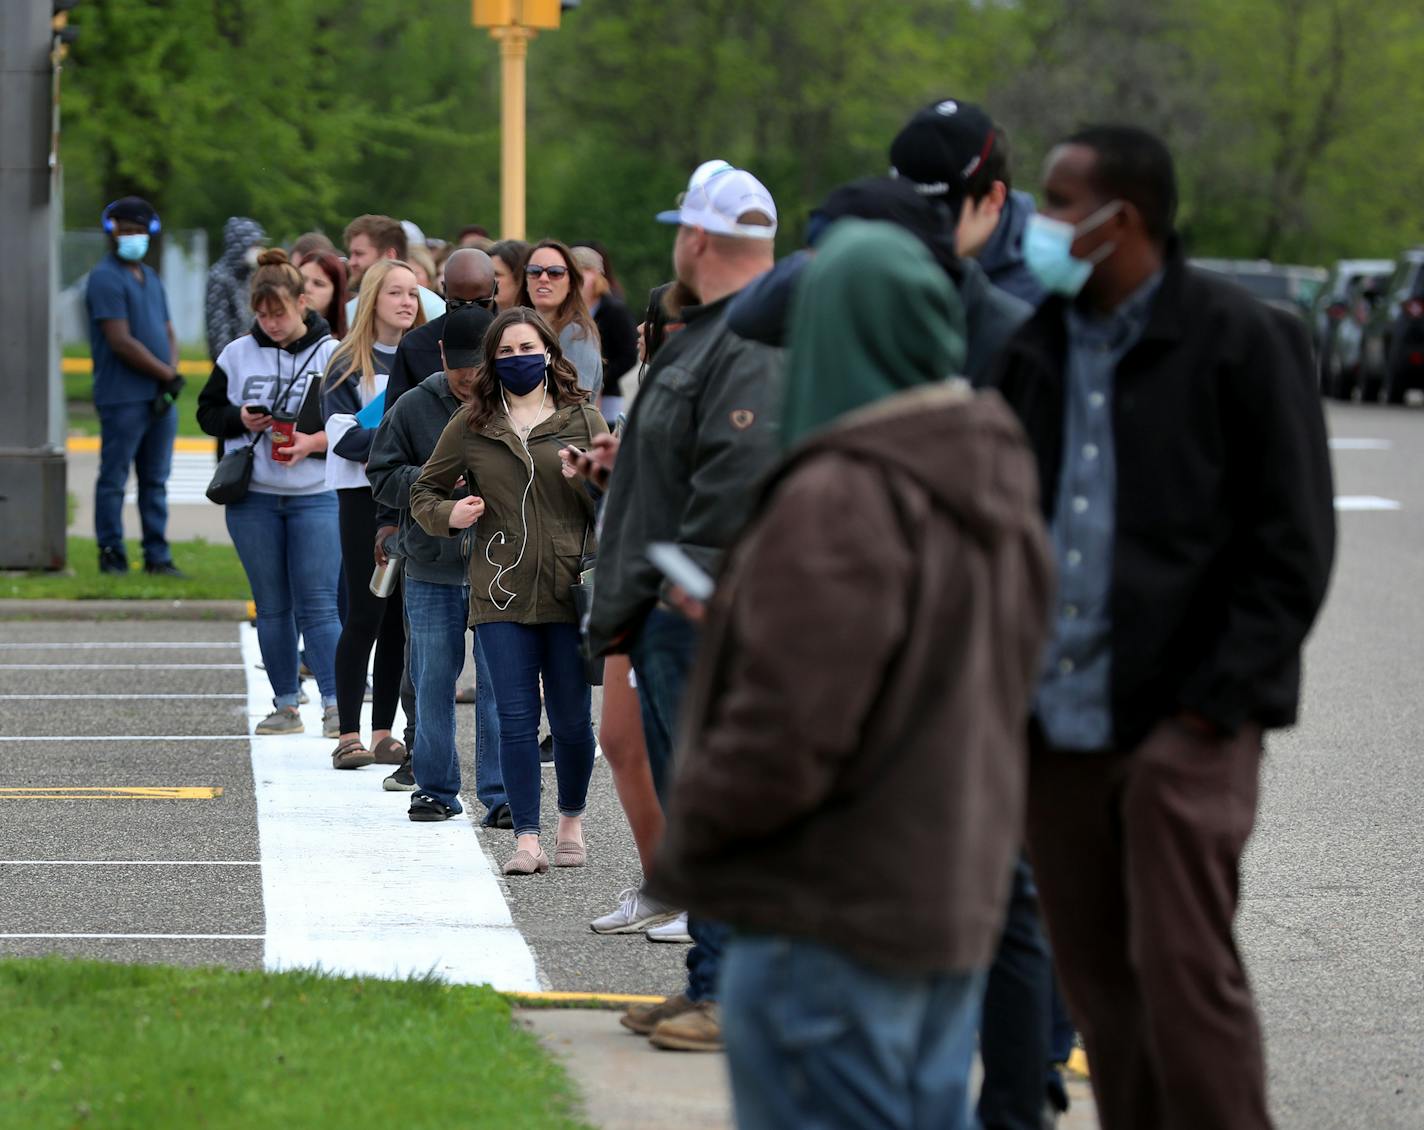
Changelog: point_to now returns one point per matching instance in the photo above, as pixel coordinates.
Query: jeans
(518, 655)
(1013, 1041)
(288, 547)
(130, 434)
(437, 615)
(818, 1041)
(662, 654)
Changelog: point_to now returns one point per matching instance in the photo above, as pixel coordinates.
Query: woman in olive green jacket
(528, 525)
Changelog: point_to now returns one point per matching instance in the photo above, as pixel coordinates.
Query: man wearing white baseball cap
(702, 436)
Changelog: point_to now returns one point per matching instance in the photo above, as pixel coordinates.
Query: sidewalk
(627, 1084)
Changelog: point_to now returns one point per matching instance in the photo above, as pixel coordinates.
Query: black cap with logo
(941, 147)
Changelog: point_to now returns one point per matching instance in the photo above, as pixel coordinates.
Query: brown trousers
(1137, 857)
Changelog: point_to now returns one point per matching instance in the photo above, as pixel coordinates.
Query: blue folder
(370, 416)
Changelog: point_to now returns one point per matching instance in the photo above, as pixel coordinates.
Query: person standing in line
(553, 285)
(308, 244)
(699, 441)
(285, 530)
(617, 332)
(871, 651)
(369, 239)
(530, 525)
(136, 385)
(1185, 475)
(325, 276)
(509, 256)
(389, 306)
(436, 585)
(227, 310)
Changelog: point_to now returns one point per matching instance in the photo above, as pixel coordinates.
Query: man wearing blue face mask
(1184, 472)
(136, 384)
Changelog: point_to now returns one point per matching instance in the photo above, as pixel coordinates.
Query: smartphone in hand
(674, 564)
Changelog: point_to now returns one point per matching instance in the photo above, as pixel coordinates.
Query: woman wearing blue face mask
(528, 526)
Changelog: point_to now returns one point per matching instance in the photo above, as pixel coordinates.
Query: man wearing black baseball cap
(136, 383)
(436, 600)
(954, 155)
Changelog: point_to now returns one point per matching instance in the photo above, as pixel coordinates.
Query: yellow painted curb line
(86, 365)
(191, 445)
(600, 1000)
(1078, 1063)
(252, 610)
(117, 792)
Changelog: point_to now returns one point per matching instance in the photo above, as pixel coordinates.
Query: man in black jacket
(1184, 472)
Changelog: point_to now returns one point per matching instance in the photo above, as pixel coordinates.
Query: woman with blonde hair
(356, 376)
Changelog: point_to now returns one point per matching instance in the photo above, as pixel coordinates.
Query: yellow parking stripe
(587, 1000)
(117, 792)
(89, 445)
(86, 365)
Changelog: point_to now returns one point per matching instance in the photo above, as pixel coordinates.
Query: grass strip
(143, 1047)
(213, 573)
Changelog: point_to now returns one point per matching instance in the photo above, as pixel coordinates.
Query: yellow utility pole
(513, 23)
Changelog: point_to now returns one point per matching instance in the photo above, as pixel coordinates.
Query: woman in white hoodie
(355, 381)
(285, 529)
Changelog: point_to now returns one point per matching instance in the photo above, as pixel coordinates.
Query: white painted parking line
(120, 666)
(130, 863)
(1364, 502)
(94, 646)
(138, 738)
(86, 695)
(193, 937)
(1349, 444)
(350, 885)
(188, 480)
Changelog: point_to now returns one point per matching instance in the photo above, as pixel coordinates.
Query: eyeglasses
(534, 271)
(460, 303)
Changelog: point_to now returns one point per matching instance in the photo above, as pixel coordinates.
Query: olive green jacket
(514, 578)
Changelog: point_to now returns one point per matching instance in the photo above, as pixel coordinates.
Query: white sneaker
(673, 931)
(636, 911)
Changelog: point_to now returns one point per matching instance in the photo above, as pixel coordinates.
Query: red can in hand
(283, 433)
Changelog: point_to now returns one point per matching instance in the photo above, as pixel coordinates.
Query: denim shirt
(1074, 701)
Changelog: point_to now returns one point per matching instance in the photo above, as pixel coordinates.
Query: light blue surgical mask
(132, 248)
(1048, 250)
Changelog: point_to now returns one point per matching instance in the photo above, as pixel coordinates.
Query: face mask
(253, 253)
(1048, 250)
(132, 248)
(521, 373)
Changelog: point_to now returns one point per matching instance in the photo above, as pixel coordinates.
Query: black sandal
(425, 809)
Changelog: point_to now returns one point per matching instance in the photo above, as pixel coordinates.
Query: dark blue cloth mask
(521, 373)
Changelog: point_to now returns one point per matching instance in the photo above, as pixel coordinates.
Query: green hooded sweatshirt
(874, 315)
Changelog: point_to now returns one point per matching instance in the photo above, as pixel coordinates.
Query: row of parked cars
(1366, 317)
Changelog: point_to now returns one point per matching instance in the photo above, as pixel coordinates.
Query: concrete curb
(231, 610)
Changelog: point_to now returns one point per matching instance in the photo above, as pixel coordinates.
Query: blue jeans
(663, 652)
(818, 1041)
(130, 434)
(437, 615)
(290, 549)
(518, 655)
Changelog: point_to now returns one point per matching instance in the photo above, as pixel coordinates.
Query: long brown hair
(331, 265)
(573, 309)
(357, 351)
(487, 400)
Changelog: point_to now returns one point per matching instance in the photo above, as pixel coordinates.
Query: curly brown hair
(487, 400)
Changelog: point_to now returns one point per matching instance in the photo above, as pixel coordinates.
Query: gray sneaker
(331, 722)
(283, 720)
(636, 912)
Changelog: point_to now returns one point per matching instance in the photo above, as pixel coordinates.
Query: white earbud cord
(501, 570)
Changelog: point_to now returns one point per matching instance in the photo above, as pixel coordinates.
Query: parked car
(1392, 354)
(1285, 286)
(1340, 364)
(1332, 304)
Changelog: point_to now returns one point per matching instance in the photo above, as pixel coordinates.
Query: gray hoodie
(403, 443)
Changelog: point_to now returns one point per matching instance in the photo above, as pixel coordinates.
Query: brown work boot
(699, 1029)
(643, 1018)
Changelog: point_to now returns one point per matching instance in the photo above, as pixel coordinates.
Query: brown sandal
(388, 751)
(351, 754)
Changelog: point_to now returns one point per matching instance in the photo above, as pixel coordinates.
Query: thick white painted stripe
(1364, 502)
(86, 695)
(120, 667)
(193, 937)
(130, 863)
(116, 646)
(1345, 444)
(140, 738)
(351, 885)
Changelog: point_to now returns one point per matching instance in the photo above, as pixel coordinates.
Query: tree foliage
(1291, 120)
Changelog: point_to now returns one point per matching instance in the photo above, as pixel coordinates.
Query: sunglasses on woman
(535, 272)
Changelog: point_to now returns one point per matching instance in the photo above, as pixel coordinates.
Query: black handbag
(582, 591)
(233, 475)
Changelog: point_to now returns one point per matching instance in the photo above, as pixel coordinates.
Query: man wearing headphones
(136, 384)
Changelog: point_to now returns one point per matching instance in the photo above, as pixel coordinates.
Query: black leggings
(370, 620)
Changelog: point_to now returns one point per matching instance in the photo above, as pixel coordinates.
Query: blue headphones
(154, 227)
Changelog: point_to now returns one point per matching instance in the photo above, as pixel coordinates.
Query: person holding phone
(285, 529)
(529, 526)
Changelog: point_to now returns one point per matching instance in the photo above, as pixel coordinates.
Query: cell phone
(258, 409)
(674, 564)
(579, 453)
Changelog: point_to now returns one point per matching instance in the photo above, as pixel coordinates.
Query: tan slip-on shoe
(643, 1018)
(568, 853)
(525, 862)
(699, 1029)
